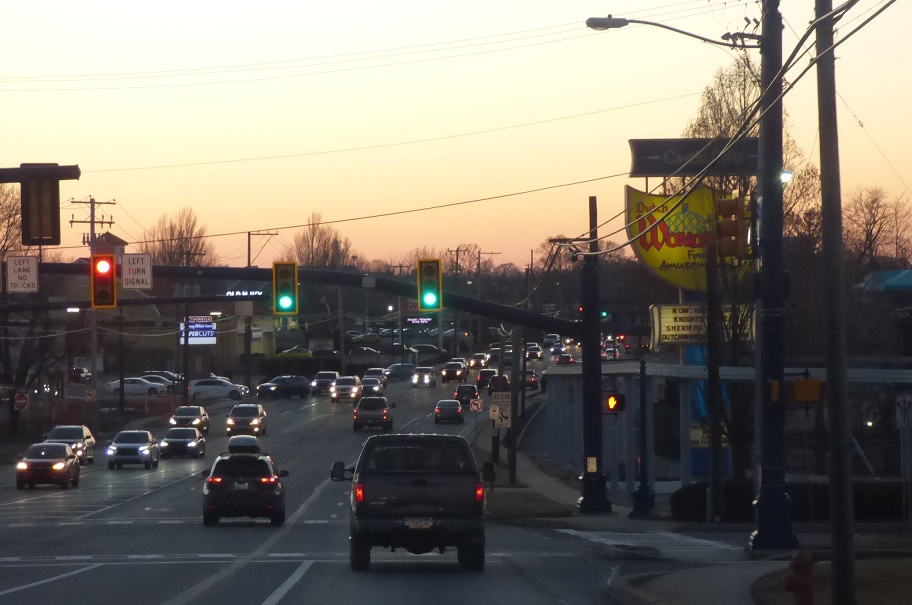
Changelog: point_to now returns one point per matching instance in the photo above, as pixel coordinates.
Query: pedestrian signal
(430, 285)
(615, 402)
(103, 278)
(285, 288)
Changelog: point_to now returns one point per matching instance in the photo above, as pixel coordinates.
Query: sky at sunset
(404, 124)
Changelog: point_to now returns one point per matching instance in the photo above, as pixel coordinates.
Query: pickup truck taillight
(479, 491)
(359, 492)
(355, 414)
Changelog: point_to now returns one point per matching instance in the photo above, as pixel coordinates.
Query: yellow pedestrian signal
(285, 288)
(103, 281)
(615, 402)
(430, 285)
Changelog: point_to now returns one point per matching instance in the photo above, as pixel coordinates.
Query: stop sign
(21, 401)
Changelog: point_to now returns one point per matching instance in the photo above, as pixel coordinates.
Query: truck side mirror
(337, 473)
(488, 472)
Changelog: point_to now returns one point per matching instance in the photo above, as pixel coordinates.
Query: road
(135, 536)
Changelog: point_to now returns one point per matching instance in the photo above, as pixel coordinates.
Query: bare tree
(867, 225)
(320, 245)
(179, 241)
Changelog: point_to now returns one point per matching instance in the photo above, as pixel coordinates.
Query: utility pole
(401, 334)
(456, 312)
(773, 506)
(90, 238)
(478, 279)
(248, 320)
(842, 530)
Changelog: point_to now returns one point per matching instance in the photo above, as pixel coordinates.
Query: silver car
(133, 447)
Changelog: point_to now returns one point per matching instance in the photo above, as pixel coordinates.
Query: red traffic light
(615, 402)
(102, 266)
(103, 277)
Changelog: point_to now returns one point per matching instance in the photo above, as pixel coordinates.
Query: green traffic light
(430, 299)
(604, 313)
(286, 302)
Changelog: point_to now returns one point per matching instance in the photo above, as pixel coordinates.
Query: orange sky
(507, 116)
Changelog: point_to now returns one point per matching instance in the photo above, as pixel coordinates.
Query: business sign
(691, 157)
(21, 274)
(670, 234)
(136, 271)
(686, 324)
(202, 331)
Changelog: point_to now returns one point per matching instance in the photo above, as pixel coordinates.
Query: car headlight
(164, 443)
(332, 389)
(274, 387)
(313, 384)
(144, 449)
(21, 466)
(78, 446)
(191, 444)
(230, 421)
(414, 379)
(255, 421)
(59, 466)
(112, 450)
(196, 421)
(427, 379)
(173, 420)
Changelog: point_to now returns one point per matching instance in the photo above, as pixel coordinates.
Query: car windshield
(370, 381)
(131, 437)
(244, 411)
(346, 382)
(448, 403)
(373, 372)
(423, 370)
(463, 390)
(325, 376)
(66, 432)
(241, 466)
(454, 366)
(181, 434)
(189, 410)
(46, 450)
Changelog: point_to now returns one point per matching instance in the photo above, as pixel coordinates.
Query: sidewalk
(729, 582)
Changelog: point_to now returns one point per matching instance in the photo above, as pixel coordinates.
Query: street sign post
(502, 418)
(20, 401)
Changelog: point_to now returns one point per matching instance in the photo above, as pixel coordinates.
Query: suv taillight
(359, 492)
(479, 491)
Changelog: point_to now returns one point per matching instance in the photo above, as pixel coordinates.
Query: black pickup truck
(417, 492)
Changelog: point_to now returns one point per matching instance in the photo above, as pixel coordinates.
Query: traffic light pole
(594, 498)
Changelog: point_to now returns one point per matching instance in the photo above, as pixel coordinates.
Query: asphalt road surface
(134, 536)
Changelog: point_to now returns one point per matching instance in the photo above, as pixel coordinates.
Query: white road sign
(21, 274)
(501, 416)
(136, 271)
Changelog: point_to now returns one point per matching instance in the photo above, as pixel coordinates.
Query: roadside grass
(877, 582)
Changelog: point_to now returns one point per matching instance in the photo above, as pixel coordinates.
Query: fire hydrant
(800, 579)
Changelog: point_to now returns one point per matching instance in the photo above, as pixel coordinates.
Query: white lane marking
(293, 579)
(49, 580)
(193, 593)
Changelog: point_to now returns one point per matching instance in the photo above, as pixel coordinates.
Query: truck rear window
(416, 456)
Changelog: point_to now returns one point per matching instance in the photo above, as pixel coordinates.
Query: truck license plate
(240, 486)
(418, 522)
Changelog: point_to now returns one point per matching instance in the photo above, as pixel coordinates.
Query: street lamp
(609, 22)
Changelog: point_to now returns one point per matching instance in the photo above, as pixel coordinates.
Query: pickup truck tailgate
(411, 494)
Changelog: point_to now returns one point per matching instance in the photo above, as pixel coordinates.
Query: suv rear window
(466, 390)
(241, 466)
(66, 432)
(371, 404)
(415, 456)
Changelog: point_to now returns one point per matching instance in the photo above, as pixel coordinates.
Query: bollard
(800, 579)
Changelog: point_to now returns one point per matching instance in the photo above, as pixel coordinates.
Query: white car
(216, 388)
(134, 386)
(166, 385)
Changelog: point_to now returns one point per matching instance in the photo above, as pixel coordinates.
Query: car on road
(54, 463)
(244, 484)
(133, 447)
(530, 380)
(283, 387)
(78, 437)
(373, 411)
(134, 387)
(345, 387)
(448, 410)
(216, 388)
(183, 441)
(454, 370)
(424, 376)
(465, 393)
(194, 416)
(499, 383)
(363, 351)
(610, 354)
(247, 419)
(366, 339)
(372, 386)
(484, 377)
(323, 381)
(296, 351)
(478, 361)
(429, 353)
(399, 371)
(557, 349)
(550, 340)
(243, 444)
(565, 359)
(534, 353)
(374, 373)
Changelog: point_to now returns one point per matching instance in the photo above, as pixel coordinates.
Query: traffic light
(103, 278)
(285, 288)
(615, 402)
(731, 228)
(430, 285)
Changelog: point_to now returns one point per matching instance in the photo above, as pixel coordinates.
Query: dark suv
(191, 416)
(322, 381)
(246, 418)
(465, 393)
(244, 485)
(78, 437)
